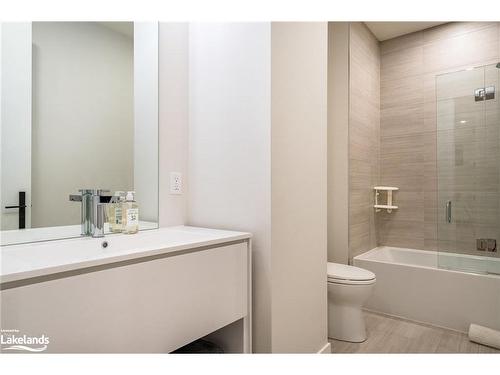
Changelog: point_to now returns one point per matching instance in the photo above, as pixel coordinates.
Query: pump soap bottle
(115, 212)
(130, 211)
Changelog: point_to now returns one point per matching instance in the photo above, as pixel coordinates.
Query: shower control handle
(448, 212)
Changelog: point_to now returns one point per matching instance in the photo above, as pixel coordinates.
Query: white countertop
(18, 262)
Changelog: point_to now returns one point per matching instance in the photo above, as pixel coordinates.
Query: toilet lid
(344, 272)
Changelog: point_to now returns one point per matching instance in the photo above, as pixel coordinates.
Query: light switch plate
(175, 183)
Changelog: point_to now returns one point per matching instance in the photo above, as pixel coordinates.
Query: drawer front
(148, 307)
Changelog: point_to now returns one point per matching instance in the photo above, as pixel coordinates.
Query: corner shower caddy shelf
(389, 206)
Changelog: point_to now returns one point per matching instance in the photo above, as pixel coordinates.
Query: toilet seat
(350, 275)
(351, 282)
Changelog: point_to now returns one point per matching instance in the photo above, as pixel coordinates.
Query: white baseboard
(327, 349)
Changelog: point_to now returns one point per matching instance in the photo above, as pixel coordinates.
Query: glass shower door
(468, 170)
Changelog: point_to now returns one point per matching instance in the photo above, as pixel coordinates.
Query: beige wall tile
(401, 228)
(364, 137)
(402, 63)
(473, 48)
(410, 179)
(397, 241)
(405, 41)
(406, 139)
(431, 245)
(405, 119)
(411, 207)
(402, 91)
(452, 29)
(410, 131)
(400, 153)
(430, 207)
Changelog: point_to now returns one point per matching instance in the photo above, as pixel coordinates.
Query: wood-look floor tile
(394, 335)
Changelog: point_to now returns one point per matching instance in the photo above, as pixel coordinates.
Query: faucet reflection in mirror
(93, 210)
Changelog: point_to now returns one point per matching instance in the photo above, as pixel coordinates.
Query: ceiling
(388, 30)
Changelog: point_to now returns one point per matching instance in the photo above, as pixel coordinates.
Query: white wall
(173, 120)
(145, 167)
(251, 173)
(16, 120)
(82, 116)
(299, 180)
(229, 144)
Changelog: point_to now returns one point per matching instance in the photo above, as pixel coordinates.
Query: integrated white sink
(43, 258)
(150, 292)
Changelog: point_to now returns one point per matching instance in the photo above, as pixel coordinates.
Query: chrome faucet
(93, 211)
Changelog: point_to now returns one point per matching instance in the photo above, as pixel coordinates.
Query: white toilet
(348, 289)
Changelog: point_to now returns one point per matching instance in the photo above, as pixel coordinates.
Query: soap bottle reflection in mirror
(115, 212)
(130, 212)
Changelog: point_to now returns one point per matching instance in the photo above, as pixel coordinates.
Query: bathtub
(410, 285)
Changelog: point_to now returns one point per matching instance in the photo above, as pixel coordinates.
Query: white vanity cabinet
(154, 302)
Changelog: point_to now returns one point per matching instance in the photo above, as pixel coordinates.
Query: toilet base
(346, 323)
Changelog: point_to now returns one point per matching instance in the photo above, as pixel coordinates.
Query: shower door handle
(448, 212)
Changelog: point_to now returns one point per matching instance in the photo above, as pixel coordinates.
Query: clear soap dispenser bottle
(130, 211)
(115, 209)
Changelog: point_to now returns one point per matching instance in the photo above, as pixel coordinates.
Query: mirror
(79, 111)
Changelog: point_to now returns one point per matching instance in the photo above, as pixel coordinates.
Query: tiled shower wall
(364, 135)
(408, 135)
